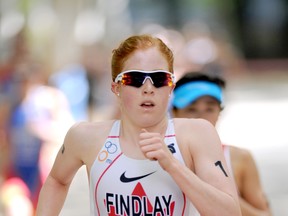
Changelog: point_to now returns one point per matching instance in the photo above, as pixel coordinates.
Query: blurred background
(55, 70)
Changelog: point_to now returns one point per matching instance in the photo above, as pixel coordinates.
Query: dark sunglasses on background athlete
(137, 78)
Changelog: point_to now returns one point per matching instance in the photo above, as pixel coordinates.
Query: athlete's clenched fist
(153, 147)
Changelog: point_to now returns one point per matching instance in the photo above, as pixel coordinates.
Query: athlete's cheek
(128, 100)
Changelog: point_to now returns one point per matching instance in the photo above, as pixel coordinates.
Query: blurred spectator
(73, 82)
(18, 52)
(4, 113)
(14, 198)
(199, 95)
(39, 117)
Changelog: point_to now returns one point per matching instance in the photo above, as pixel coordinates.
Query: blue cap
(190, 92)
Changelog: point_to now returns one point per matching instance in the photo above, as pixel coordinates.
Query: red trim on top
(95, 194)
(171, 135)
(184, 207)
(113, 136)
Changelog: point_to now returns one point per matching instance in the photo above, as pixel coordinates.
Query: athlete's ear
(115, 88)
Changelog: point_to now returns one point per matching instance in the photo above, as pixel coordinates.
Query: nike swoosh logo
(125, 179)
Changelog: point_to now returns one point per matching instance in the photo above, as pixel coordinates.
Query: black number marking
(63, 149)
(218, 163)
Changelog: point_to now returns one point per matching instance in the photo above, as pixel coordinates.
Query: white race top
(120, 185)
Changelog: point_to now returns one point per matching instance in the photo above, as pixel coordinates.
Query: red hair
(134, 43)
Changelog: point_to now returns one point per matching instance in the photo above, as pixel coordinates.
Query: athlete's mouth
(147, 104)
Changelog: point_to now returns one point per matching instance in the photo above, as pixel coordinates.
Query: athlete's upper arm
(68, 159)
(209, 161)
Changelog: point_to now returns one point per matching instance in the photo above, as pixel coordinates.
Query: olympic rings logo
(110, 148)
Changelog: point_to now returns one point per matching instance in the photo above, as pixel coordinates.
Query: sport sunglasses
(137, 78)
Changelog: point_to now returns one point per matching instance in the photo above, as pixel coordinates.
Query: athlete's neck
(129, 136)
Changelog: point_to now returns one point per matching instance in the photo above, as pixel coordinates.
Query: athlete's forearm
(249, 210)
(207, 199)
(52, 198)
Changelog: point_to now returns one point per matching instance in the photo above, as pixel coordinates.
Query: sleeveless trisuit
(120, 185)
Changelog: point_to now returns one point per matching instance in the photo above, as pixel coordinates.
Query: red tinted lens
(161, 79)
(133, 79)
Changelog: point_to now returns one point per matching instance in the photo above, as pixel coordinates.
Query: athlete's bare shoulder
(91, 128)
(194, 137)
(85, 138)
(241, 154)
(196, 127)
